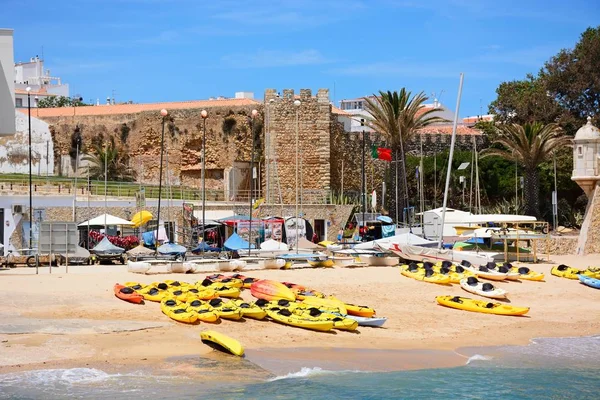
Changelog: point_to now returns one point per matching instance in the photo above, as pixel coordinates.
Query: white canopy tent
(403, 238)
(106, 219)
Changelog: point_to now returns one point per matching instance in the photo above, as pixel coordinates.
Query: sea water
(567, 368)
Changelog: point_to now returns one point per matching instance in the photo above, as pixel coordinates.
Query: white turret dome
(588, 131)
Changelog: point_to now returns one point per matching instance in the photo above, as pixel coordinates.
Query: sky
(176, 50)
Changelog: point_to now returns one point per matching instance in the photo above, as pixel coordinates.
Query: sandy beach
(62, 320)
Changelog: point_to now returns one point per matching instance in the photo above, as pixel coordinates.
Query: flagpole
(449, 169)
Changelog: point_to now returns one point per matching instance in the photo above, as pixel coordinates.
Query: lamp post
(297, 105)
(204, 115)
(30, 185)
(364, 184)
(254, 114)
(77, 145)
(164, 114)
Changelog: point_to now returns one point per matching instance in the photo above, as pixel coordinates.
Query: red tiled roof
(474, 120)
(136, 108)
(447, 130)
(339, 111)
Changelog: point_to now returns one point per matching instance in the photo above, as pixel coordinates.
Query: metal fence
(66, 186)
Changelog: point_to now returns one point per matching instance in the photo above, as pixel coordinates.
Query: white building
(7, 83)
(32, 74)
(360, 117)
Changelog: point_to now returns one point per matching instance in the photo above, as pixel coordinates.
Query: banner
(140, 198)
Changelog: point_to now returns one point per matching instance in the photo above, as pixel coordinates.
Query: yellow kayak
(180, 293)
(204, 311)
(226, 280)
(177, 311)
(219, 288)
(330, 303)
(276, 304)
(321, 263)
(226, 308)
(286, 317)
(155, 293)
(195, 294)
(353, 309)
(339, 322)
(222, 342)
(135, 285)
(250, 310)
(527, 274)
(463, 303)
(564, 271)
(425, 275)
(177, 284)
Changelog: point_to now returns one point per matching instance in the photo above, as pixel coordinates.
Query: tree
(108, 158)
(525, 101)
(572, 77)
(529, 145)
(397, 116)
(60, 101)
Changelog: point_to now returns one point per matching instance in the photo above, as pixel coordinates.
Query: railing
(66, 186)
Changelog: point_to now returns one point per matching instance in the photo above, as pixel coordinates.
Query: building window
(580, 151)
(18, 103)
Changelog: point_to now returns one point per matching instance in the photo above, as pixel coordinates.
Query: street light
(254, 114)
(297, 105)
(204, 115)
(28, 89)
(164, 114)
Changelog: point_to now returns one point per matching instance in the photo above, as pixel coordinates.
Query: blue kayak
(589, 281)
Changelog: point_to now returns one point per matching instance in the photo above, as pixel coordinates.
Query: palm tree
(528, 145)
(116, 166)
(397, 116)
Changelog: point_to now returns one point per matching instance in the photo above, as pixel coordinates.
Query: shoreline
(72, 320)
(266, 364)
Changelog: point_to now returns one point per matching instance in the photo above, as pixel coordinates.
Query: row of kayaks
(447, 272)
(204, 301)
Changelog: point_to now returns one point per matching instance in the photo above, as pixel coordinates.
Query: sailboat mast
(449, 170)
(472, 166)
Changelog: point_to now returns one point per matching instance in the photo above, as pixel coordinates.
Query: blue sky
(173, 50)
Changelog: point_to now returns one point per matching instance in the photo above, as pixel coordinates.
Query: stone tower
(586, 172)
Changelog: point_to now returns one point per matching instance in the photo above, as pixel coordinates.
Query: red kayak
(128, 294)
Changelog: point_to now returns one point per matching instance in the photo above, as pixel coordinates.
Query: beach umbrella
(141, 218)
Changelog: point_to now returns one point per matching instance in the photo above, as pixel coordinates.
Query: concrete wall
(7, 83)
(14, 150)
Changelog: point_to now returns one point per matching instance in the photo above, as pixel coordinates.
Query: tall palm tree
(528, 145)
(397, 116)
(110, 159)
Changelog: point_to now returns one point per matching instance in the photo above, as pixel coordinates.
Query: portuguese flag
(381, 153)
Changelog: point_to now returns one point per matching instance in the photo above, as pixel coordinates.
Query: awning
(106, 219)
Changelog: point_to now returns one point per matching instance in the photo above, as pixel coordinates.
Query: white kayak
(374, 322)
(139, 267)
(504, 268)
(474, 285)
(485, 273)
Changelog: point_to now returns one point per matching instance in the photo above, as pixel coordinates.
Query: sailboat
(419, 253)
